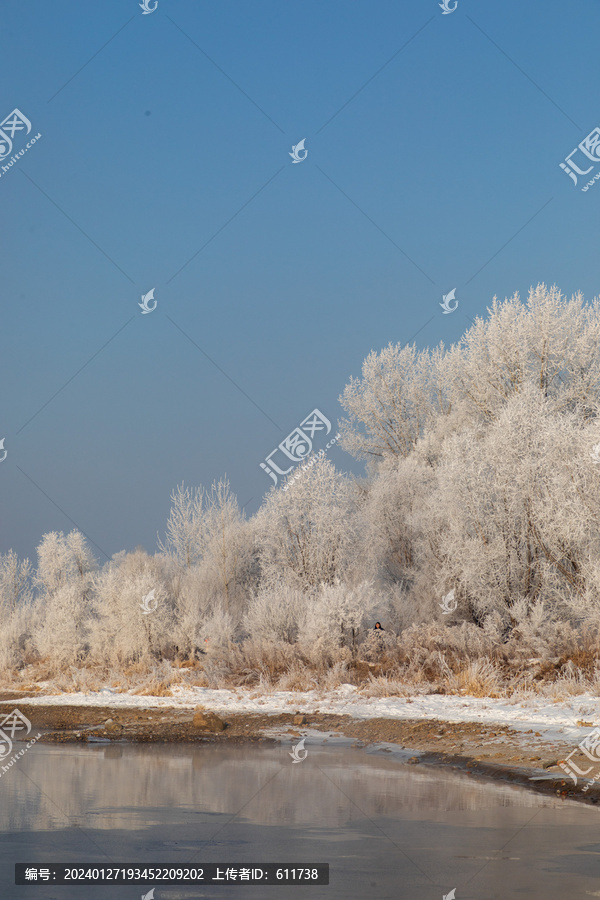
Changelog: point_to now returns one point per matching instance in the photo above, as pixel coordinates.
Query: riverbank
(495, 747)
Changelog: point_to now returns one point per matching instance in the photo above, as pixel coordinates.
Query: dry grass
(154, 688)
(383, 686)
(297, 679)
(335, 676)
(420, 664)
(480, 678)
(195, 678)
(187, 664)
(135, 669)
(73, 681)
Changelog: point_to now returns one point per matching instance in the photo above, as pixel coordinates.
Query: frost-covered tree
(65, 575)
(484, 484)
(62, 559)
(516, 510)
(15, 582)
(483, 479)
(394, 526)
(306, 533)
(208, 536)
(398, 396)
(136, 617)
(185, 537)
(336, 617)
(17, 618)
(549, 342)
(275, 613)
(228, 555)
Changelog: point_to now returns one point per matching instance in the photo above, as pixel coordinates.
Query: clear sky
(434, 144)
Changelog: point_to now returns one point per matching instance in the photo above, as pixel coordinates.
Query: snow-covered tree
(208, 536)
(65, 575)
(549, 342)
(336, 618)
(483, 482)
(389, 408)
(185, 537)
(18, 620)
(15, 581)
(228, 553)
(135, 618)
(306, 533)
(394, 526)
(517, 518)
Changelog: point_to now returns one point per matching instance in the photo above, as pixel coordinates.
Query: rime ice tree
(122, 632)
(306, 533)
(15, 582)
(65, 575)
(211, 545)
(482, 487)
(228, 547)
(16, 615)
(334, 619)
(390, 407)
(515, 515)
(394, 529)
(549, 343)
(185, 537)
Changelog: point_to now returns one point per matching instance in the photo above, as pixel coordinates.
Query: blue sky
(434, 144)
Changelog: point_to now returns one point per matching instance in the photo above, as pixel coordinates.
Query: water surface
(387, 829)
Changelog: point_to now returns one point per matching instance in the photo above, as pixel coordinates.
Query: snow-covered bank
(555, 721)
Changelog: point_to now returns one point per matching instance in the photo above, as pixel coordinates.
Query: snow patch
(554, 721)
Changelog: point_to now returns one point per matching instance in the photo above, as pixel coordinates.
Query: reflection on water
(386, 828)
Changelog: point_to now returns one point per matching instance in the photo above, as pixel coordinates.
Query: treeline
(482, 478)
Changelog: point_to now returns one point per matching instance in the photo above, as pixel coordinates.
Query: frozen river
(387, 829)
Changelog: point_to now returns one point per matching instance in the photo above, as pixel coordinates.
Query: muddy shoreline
(495, 752)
